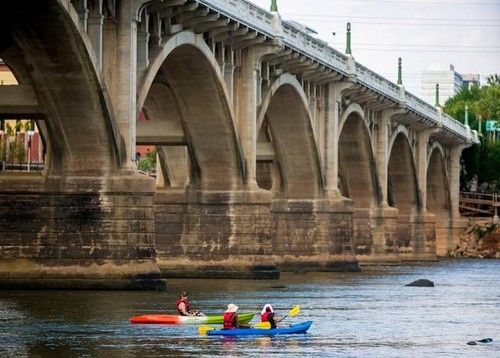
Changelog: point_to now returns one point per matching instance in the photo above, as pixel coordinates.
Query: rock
(486, 340)
(421, 283)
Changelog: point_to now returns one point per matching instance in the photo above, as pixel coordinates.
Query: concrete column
(249, 98)
(126, 74)
(95, 31)
(333, 100)
(382, 150)
(421, 164)
(109, 67)
(83, 11)
(142, 51)
(454, 179)
(229, 72)
(382, 153)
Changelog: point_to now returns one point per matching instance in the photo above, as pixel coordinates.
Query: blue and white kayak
(294, 329)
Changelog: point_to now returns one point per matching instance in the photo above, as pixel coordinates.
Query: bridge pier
(448, 233)
(417, 238)
(313, 235)
(376, 235)
(78, 232)
(224, 234)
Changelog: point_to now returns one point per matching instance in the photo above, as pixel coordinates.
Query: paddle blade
(294, 311)
(263, 325)
(204, 329)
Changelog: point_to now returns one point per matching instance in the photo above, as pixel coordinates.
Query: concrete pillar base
(76, 232)
(313, 235)
(417, 237)
(448, 233)
(215, 234)
(81, 274)
(376, 236)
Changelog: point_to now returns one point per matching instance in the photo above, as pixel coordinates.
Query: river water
(366, 314)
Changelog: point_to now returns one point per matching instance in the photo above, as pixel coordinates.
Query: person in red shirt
(231, 320)
(183, 306)
(267, 315)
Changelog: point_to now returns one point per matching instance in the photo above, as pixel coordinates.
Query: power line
(455, 24)
(426, 45)
(387, 18)
(421, 50)
(399, 2)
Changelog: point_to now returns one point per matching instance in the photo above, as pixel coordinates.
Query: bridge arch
(358, 178)
(285, 121)
(185, 99)
(69, 91)
(438, 191)
(402, 178)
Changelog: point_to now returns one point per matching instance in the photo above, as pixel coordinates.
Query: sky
(426, 34)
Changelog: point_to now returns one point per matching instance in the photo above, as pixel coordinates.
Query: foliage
(493, 80)
(9, 130)
(482, 232)
(17, 152)
(3, 150)
(469, 165)
(481, 161)
(148, 163)
(489, 165)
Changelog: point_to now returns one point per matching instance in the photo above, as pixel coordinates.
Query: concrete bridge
(276, 152)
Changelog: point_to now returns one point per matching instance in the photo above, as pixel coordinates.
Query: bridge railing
(420, 106)
(302, 42)
(299, 40)
(377, 82)
(453, 125)
(245, 12)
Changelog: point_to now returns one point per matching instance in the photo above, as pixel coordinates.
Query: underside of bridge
(83, 223)
(415, 239)
(208, 223)
(374, 227)
(312, 232)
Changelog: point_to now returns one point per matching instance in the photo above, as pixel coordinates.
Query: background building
(449, 82)
(470, 79)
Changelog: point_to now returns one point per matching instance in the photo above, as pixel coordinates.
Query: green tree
(455, 106)
(481, 161)
(148, 163)
(490, 163)
(17, 152)
(493, 80)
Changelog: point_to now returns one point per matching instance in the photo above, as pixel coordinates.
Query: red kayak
(171, 319)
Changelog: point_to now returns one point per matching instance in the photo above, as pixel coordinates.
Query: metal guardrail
(22, 167)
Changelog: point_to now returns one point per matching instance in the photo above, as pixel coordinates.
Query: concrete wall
(71, 232)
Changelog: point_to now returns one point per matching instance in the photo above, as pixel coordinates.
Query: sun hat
(231, 308)
(267, 307)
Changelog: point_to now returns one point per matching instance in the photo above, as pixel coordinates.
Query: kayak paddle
(293, 312)
(264, 325)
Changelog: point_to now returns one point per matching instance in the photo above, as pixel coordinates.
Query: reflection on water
(367, 314)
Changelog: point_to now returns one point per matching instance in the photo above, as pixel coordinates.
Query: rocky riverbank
(481, 239)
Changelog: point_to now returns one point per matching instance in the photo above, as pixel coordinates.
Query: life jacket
(265, 318)
(228, 321)
(186, 304)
